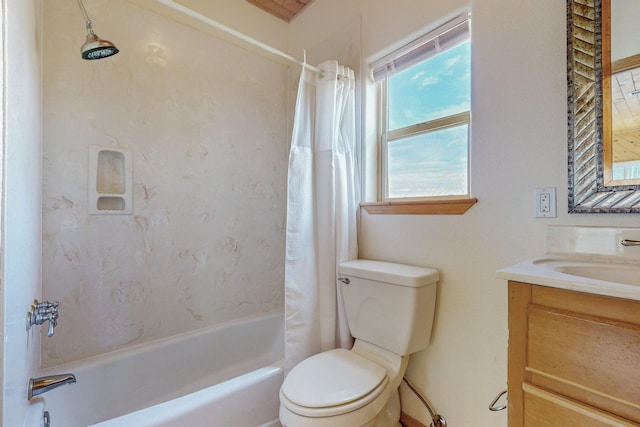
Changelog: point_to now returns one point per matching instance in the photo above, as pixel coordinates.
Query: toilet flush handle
(344, 280)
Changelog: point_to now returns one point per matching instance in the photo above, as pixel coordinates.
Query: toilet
(390, 310)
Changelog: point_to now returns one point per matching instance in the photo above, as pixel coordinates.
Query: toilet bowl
(390, 313)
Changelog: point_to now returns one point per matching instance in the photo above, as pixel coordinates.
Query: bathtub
(225, 375)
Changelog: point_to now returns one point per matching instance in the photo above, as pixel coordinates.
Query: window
(425, 103)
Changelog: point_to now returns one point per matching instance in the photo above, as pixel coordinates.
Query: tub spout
(38, 386)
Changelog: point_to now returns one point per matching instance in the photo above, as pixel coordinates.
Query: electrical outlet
(545, 201)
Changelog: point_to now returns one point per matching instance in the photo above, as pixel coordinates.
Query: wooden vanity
(574, 358)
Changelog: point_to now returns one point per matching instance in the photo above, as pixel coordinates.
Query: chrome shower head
(94, 47)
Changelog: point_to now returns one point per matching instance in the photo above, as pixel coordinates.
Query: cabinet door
(582, 348)
(586, 358)
(543, 408)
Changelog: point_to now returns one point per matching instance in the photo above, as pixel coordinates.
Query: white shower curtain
(322, 202)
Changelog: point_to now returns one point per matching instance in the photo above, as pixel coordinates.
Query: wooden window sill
(423, 207)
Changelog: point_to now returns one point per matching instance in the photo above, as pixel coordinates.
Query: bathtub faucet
(38, 386)
(42, 312)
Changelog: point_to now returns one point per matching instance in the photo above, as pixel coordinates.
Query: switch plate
(545, 201)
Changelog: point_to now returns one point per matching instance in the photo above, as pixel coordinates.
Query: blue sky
(433, 163)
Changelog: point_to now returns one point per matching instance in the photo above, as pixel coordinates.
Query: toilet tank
(389, 305)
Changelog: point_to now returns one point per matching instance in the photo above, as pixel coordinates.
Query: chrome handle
(53, 322)
(493, 405)
(344, 280)
(629, 242)
(42, 312)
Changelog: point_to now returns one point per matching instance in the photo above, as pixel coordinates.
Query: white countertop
(544, 272)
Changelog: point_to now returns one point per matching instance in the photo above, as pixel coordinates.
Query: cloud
(430, 80)
(452, 61)
(425, 80)
(449, 67)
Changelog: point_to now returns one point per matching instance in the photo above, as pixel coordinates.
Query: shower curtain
(322, 202)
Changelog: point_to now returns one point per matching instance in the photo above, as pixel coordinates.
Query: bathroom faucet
(42, 312)
(38, 386)
(628, 242)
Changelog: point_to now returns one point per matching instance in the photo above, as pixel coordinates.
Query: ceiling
(283, 9)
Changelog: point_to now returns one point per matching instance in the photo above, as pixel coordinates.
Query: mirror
(622, 91)
(600, 151)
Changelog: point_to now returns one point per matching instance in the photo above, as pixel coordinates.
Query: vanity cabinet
(574, 358)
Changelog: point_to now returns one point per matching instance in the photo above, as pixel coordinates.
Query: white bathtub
(226, 375)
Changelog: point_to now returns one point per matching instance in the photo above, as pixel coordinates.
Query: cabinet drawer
(588, 358)
(543, 408)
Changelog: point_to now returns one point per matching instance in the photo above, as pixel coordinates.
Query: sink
(614, 277)
(591, 260)
(615, 272)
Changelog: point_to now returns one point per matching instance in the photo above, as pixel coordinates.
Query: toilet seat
(332, 383)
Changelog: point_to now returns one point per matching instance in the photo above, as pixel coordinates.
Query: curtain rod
(234, 33)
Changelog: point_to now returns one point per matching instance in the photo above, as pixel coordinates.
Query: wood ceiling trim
(283, 9)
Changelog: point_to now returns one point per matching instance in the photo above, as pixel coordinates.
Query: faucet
(628, 242)
(38, 386)
(42, 312)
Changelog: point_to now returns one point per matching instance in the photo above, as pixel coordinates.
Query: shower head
(95, 47)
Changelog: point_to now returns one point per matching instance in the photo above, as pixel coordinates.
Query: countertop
(540, 271)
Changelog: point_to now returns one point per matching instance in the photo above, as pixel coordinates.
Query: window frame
(454, 204)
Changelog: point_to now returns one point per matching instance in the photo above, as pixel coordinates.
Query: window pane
(437, 87)
(429, 164)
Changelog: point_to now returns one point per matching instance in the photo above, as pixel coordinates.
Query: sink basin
(616, 272)
(614, 277)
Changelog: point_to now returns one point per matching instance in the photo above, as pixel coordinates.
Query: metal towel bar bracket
(493, 406)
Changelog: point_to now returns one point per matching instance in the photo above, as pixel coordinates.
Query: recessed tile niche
(110, 181)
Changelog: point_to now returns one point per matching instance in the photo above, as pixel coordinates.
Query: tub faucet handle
(53, 322)
(42, 312)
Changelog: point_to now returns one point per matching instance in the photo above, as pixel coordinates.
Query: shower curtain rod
(234, 33)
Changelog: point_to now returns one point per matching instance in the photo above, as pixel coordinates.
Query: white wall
(519, 143)
(21, 185)
(207, 124)
(240, 16)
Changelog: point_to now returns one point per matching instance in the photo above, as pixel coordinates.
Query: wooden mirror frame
(587, 133)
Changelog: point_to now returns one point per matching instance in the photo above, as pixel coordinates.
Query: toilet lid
(332, 378)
